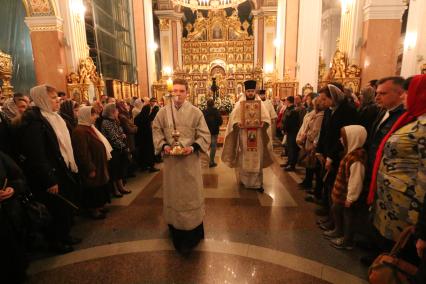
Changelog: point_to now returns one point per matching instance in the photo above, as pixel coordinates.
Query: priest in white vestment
(183, 198)
(248, 150)
(270, 107)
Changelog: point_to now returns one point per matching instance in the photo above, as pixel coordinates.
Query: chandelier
(208, 4)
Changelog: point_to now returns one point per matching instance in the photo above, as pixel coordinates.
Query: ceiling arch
(37, 8)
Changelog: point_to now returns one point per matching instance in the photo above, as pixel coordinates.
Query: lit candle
(169, 85)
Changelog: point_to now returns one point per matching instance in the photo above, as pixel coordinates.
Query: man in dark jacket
(290, 126)
(214, 121)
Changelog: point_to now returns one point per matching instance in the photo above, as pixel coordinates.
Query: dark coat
(13, 261)
(291, 120)
(90, 156)
(144, 139)
(368, 115)
(40, 154)
(213, 119)
(130, 129)
(328, 143)
(44, 167)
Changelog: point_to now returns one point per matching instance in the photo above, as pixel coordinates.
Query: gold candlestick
(177, 147)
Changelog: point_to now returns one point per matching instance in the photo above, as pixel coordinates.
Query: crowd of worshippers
(365, 161)
(66, 159)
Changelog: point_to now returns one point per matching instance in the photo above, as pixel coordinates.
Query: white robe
(183, 198)
(248, 164)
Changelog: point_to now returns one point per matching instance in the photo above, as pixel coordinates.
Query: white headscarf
(137, 107)
(84, 115)
(41, 99)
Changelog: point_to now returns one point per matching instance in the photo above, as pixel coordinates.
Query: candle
(169, 85)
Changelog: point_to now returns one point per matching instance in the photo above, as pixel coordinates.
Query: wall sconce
(277, 42)
(346, 4)
(269, 68)
(153, 45)
(78, 8)
(410, 40)
(167, 71)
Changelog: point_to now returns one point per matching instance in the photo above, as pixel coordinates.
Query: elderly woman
(308, 140)
(368, 110)
(92, 152)
(47, 157)
(112, 130)
(137, 107)
(126, 122)
(68, 111)
(398, 183)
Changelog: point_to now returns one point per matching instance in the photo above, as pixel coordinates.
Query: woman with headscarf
(339, 112)
(92, 152)
(126, 122)
(398, 183)
(68, 111)
(112, 130)
(368, 110)
(47, 158)
(137, 107)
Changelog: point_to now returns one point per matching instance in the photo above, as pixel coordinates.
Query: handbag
(307, 159)
(37, 214)
(387, 268)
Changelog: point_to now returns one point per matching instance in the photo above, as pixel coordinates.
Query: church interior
(133, 49)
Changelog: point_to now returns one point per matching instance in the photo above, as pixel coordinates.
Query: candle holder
(176, 147)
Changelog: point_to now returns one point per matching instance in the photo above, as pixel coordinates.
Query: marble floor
(249, 238)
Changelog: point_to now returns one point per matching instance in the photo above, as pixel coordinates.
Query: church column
(381, 36)
(279, 39)
(415, 41)
(310, 13)
(291, 36)
(75, 41)
(170, 39)
(330, 29)
(48, 43)
(145, 45)
(258, 26)
(269, 33)
(351, 29)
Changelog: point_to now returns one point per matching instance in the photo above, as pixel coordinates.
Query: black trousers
(344, 221)
(293, 149)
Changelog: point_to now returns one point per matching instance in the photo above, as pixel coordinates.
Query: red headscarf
(416, 106)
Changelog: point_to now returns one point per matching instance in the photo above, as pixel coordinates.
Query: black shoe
(260, 189)
(367, 260)
(212, 165)
(153, 170)
(290, 169)
(305, 185)
(327, 226)
(284, 165)
(321, 211)
(61, 248)
(118, 195)
(72, 240)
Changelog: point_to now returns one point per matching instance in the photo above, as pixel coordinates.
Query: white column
(308, 42)
(356, 31)
(415, 39)
(269, 33)
(74, 27)
(149, 32)
(279, 39)
(330, 30)
(255, 35)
